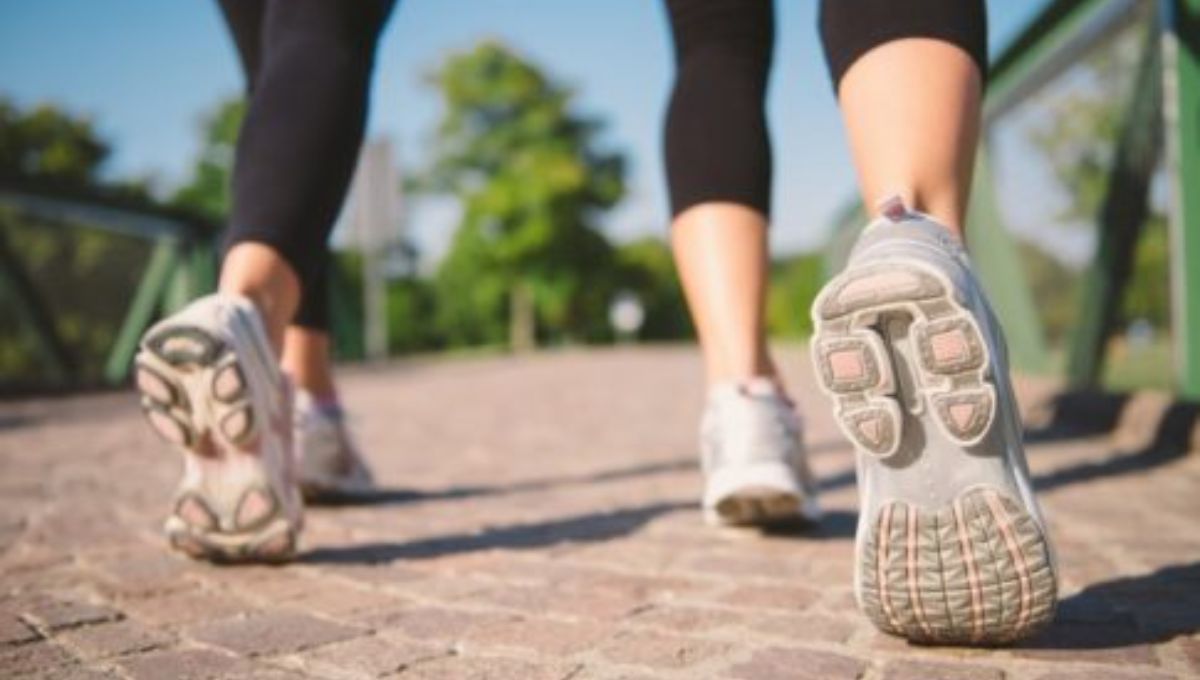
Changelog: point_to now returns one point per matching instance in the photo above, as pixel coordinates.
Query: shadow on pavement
(386, 496)
(834, 525)
(589, 528)
(1130, 611)
(1169, 438)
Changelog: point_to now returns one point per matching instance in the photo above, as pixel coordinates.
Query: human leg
(719, 174)
(951, 545)
(209, 375)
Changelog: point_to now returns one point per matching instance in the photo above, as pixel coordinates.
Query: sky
(146, 71)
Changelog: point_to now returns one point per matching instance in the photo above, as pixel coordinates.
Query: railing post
(1181, 109)
(35, 316)
(999, 265)
(1122, 215)
(155, 279)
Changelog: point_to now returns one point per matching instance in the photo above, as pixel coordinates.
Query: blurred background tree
(45, 143)
(533, 181)
(207, 189)
(1077, 140)
(74, 271)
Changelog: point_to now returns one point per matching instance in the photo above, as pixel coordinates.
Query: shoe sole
(756, 506)
(760, 495)
(946, 554)
(190, 381)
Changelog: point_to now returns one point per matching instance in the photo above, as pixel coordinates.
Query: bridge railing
(83, 272)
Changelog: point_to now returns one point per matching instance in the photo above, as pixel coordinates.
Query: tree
(75, 272)
(532, 179)
(795, 282)
(1078, 139)
(646, 269)
(207, 190)
(48, 144)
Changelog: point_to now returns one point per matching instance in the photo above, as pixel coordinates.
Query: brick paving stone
(556, 535)
(1191, 651)
(799, 664)
(924, 670)
(540, 636)
(33, 658)
(13, 630)
(689, 619)
(113, 639)
(435, 623)
(184, 664)
(660, 651)
(367, 657)
(270, 632)
(55, 613)
(78, 673)
(1105, 674)
(186, 606)
(771, 597)
(486, 668)
(805, 627)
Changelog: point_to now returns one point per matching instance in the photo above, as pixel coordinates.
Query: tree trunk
(522, 329)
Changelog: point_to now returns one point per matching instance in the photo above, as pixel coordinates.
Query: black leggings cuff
(851, 28)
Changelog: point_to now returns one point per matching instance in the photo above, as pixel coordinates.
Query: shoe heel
(976, 571)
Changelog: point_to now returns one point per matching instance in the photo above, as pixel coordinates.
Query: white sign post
(376, 223)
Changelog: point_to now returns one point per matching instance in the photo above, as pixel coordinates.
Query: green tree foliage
(207, 188)
(795, 282)
(1078, 139)
(76, 272)
(645, 268)
(46, 143)
(532, 179)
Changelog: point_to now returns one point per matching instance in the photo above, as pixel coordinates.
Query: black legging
(308, 67)
(717, 146)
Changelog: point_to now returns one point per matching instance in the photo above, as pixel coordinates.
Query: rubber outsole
(179, 367)
(895, 348)
(976, 572)
(756, 506)
(854, 366)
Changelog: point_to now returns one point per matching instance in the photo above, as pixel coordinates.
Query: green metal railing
(1162, 114)
(181, 264)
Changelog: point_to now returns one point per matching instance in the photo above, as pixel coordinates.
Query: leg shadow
(1125, 612)
(399, 496)
(589, 528)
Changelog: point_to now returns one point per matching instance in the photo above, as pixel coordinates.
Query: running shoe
(951, 545)
(331, 466)
(752, 452)
(211, 386)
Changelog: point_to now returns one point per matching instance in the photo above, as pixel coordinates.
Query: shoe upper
(749, 423)
(900, 233)
(238, 343)
(330, 460)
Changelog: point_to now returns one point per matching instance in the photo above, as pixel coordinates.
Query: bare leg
(721, 252)
(912, 110)
(261, 274)
(308, 360)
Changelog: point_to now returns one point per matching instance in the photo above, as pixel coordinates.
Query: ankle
(943, 208)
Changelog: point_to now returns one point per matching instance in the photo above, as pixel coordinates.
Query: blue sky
(146, 70)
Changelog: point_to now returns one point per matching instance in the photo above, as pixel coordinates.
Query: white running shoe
(752, 452)
(951, 546)
(210, 384)
(330, 463)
